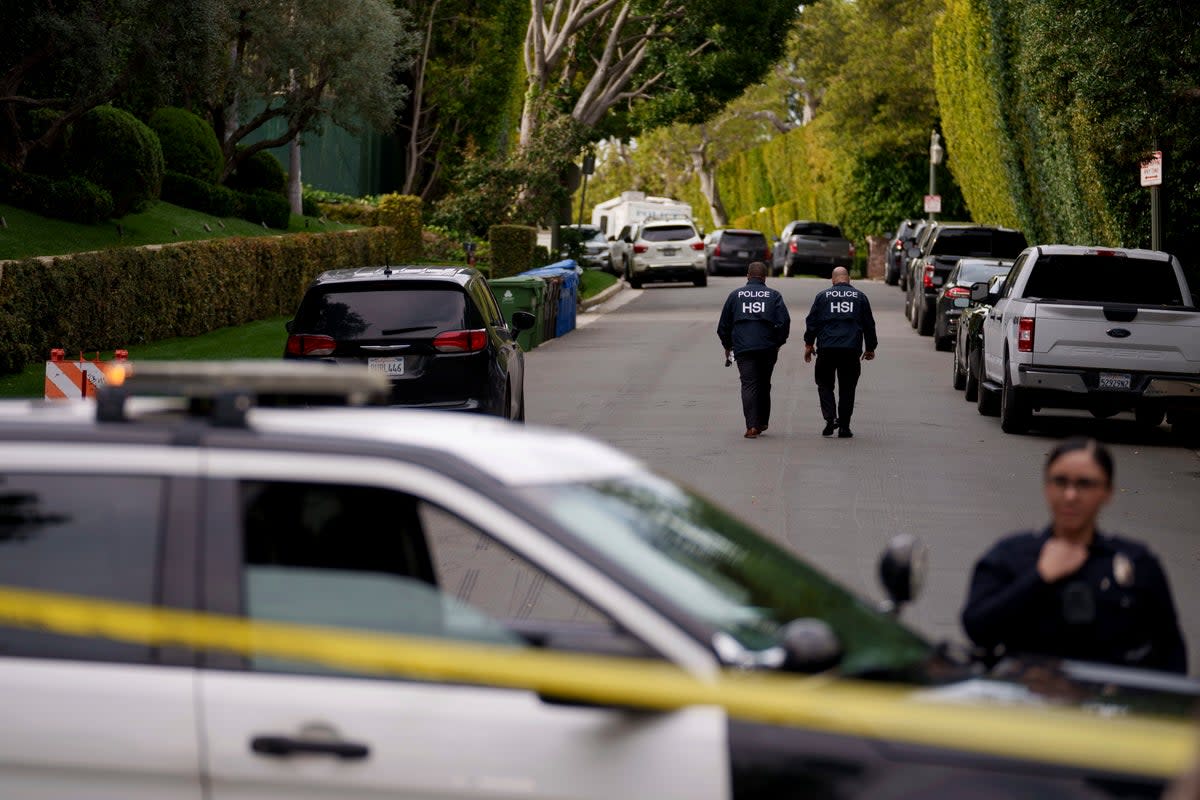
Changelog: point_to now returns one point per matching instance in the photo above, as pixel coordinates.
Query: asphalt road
(645, 373)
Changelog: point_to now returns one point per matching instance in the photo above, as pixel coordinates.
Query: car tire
(1149, 416)
(708, 267)
(700, 280)
(787, 268)
(943, 344)
(971, 387)
(635, 282)
(913, 310)
(924, 319)
(907, 308)
(892, 278)
(960, 379)
(1015, 412)
(986, 401)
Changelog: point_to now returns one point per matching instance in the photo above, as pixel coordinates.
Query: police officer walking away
(754, 325)
(837, 326)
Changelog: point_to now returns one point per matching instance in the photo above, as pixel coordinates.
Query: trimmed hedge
(260, 172)
(403, 212)
(118, 152)
(73, 198)
(189, 192)
(128, 296)
(189, 144)
(351, 213)
(262, 206)
(512, 249)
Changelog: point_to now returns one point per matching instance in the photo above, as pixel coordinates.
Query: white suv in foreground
(205, 596)
(662, 250)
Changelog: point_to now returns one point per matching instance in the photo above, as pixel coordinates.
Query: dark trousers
(843, 364)
(755, 368)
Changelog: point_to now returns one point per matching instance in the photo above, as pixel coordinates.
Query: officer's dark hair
(757, 269)
(1099, 453)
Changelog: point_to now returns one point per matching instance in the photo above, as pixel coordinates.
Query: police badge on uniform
(1122, 570)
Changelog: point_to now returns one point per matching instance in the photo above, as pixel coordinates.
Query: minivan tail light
(460, 341)
(697, 245)
(640, 248)
(927, 277)
(306, 344)
(1025, 335)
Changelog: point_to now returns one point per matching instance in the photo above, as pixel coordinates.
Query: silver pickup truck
(1102, 329)
(814, 247)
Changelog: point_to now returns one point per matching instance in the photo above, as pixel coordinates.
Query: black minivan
(436, 332)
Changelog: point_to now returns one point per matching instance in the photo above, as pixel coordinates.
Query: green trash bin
(520, 293)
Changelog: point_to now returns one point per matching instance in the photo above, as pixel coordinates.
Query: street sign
(1152, 170)
(933, 203)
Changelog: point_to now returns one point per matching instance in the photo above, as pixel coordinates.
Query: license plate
(937, 281)
(391, 366)
(1114, 380)
(668, 251)
(962, 302)
(743, 253)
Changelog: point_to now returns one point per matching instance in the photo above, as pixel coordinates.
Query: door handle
(284, 746)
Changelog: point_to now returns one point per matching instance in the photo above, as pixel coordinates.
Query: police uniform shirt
(1116, 608)
(754, 318)
(841, 318)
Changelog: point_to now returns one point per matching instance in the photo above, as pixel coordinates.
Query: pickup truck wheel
(1014, 411)
(1149, 416)
(971, 389)
(960, 380)
(986, 401)
(1186, 428)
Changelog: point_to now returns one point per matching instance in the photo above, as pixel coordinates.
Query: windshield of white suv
(719, 571)
(668, 233)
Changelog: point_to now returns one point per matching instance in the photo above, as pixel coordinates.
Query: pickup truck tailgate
(821, 246)
(1133, 339)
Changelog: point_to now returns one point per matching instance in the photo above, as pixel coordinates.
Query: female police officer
(1071, 591)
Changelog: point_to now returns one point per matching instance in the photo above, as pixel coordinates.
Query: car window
(974, 271)
(711, 565)
(1104, 279)
(668, 233)
(486, 303)
(977, 242)
(350, 312)
(1014, 275)
(359, 558)
(91, 535)
(755, 243)
(817, 229)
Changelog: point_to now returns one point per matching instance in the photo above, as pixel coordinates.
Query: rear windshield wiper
(394, 331)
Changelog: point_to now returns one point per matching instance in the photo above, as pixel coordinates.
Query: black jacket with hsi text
(841, 318)
(754, 318)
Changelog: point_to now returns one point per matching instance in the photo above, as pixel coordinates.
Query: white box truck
(612, 216)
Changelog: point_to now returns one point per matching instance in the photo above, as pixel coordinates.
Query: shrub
(403, 212)
(308, 206)
(512, 249)
(353, 213)
(119, 153)
(184, 190)
(189, 145)
(152, 293)
(264, 206)
(72, 198)
(261, 171)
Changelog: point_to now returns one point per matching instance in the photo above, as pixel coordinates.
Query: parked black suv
(897, 250)
(945, 246)
(437, 333)
(731, 251)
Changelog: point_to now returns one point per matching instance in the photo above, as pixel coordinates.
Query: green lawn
(594, 282)
(24, 234)
(262, 339)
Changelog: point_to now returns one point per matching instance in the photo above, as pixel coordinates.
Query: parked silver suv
(662, 250)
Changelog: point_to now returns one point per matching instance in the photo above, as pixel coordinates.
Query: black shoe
(845, 433)
(830, 427)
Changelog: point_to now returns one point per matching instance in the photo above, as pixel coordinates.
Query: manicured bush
(116, 151)
(512, 249)
(353, 213)
(261, 171)
(159, 292)
(189, 145)
(189, 192)
(403, 212)
(72, 198)
(264, 206)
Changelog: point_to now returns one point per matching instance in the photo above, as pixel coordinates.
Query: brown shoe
(751, 433)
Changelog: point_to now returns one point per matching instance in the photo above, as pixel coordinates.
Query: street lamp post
(935, 157)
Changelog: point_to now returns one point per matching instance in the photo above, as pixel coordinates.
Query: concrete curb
(605, 295)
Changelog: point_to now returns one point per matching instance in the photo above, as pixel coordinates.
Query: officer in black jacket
(837, 326)
(754, 325)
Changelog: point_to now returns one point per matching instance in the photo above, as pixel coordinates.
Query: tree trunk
(706, 170)
(414, 152)
(295, 191)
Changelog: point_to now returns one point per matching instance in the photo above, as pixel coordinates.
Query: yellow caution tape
(1142, 745)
